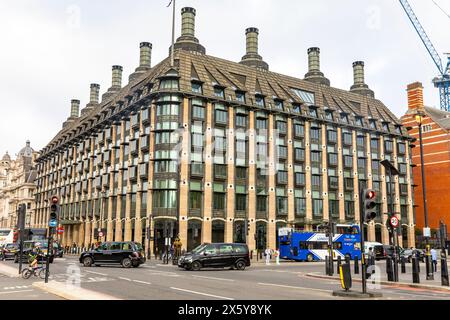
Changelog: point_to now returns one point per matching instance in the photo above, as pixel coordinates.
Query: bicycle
(37, 272)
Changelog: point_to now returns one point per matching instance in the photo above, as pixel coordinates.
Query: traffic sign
(60, 230)
(394, 222)
(53, 223)
(100, 234)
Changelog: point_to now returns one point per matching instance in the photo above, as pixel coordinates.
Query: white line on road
(292, 287)
(98, 273)
(126, 279)
(18, 291)
(143, 282)
(201, 293)
(213, 278)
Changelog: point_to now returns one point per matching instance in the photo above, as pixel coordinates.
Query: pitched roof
(234, 76)
(442, 118)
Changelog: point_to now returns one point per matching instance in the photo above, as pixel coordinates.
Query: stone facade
(17, 186)
(213, 147)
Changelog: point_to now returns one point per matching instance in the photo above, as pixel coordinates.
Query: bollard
(356, 265)
(327, 265)
(339, 263)
(389, 269)
(403, 261)
(347, 259)
(415, 270)
(331, 267)
(444, 271)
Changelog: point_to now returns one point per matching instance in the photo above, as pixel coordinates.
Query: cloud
(52, 49)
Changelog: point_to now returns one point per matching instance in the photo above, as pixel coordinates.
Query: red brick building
(436, 144)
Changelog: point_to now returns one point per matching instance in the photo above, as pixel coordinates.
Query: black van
(217, 255)
(127, 254)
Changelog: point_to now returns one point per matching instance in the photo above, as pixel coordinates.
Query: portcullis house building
(212, 144)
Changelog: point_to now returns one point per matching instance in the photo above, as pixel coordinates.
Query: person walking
(277, 256)
(268, 255)
(434, 258)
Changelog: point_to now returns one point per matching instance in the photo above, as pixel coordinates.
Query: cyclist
(34, 258)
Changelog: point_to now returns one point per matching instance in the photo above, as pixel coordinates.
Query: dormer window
(169, 84)
(313, 112)
(385, 126)
(279, 105)
(197, 87)
(329, 115)
(296, 108)
(219, 92)
(344, 118)
(359, 121)
(240, 96)
(259, 100)
(398, 129)
(373, 124)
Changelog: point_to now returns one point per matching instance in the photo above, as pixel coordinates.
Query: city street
(155, 281)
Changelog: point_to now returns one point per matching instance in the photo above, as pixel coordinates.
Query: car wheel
(240, 265)
(126, 263)
(310, 258)
(196, 266)
(88, 262)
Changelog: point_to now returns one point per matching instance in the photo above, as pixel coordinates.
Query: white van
(372, 245)
(6, 236)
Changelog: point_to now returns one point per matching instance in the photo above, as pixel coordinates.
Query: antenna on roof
(172, 61)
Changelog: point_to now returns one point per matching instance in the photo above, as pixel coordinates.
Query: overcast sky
(51, 50)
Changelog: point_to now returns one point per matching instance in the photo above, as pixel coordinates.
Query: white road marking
(126, 279)
(213, 278)
(292, 287)
(143, 282)
(18, 291)
(98, 273)
(201, 293)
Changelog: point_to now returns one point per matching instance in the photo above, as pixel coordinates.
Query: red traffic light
(370, 195)
(55, 200)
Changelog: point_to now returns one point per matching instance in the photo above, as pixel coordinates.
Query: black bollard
(327, 266)
(403, 261)
(444, 272)
(331, 267)
(356, 265)
(415, 270)
(339, 263)
(347, 259)
(389, 269)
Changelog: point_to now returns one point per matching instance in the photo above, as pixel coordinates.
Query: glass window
(305, 96)
(282, 127)
(221, 116)
(261, 123)
(261, 203)
(198, 112)
(211, 249)
(299, 130)
(197, 87)
(241, 173)
(260, 101)
(195, 200)
(241, 120)
(219, 92)
(171, 84)
(168, 110)
(226, 248)
(282, 177)
(241, 202)
(219, 201)
(240, 96)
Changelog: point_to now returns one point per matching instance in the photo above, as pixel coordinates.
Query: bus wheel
(310, 258)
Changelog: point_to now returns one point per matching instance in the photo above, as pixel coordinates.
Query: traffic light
(370, 204)
(54, 212)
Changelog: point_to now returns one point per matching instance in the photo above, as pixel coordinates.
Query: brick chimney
(415, 96)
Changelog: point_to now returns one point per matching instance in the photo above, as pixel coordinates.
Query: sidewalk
(404, 279)
(10, 271)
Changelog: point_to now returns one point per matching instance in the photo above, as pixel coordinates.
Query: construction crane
(442, 82)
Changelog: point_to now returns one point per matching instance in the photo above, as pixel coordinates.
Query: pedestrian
(434, 258)
(371, 257)
(74, 248)
(277, 256)
(268, 255)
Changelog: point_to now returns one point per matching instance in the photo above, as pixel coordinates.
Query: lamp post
(393, 171)
(426, 230)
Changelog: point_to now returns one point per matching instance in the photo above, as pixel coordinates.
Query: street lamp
(426, 231)
(393, 171)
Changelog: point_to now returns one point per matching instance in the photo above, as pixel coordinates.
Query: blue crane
(442, 82)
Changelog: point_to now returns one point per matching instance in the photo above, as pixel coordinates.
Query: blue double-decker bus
(313, 246)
